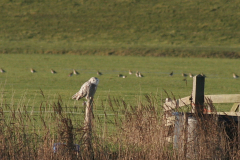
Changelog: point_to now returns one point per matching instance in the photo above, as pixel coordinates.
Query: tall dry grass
(134, 132)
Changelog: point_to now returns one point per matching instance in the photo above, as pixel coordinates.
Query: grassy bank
(121, 27)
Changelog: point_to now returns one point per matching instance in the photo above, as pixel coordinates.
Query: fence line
(63, 112)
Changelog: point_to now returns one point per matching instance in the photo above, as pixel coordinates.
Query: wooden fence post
(88, 129)
(198, 94)
(185, 134)
(239, 129)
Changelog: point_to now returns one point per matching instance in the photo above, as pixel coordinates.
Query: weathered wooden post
(186, 124)
(198, 94)
(88, 128)
(238, 128)
(185, 134)
(197, 109)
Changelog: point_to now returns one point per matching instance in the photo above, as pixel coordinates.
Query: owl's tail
(76, 96)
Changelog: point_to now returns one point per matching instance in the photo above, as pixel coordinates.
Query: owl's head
(94, 80)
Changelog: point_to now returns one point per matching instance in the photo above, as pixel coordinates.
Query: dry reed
(135, 132)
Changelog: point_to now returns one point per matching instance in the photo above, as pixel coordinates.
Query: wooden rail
(173, 104)
(222, 98)
(197, 98)
(196, 101)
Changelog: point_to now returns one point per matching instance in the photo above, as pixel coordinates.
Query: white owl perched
(87, 90)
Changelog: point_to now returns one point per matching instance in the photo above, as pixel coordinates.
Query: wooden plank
(235, 107)
(224, 98)
(176, 103)
(172, 118)
(228, 113)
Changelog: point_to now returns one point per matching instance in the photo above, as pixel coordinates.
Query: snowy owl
(88, 89)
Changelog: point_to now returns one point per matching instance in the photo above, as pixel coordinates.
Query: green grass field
(19, 84)
(199, 28)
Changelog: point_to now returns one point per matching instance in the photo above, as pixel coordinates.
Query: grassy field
(19, 84)
(199, 28)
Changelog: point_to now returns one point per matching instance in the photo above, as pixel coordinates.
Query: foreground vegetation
(199, 28)
(139, 133)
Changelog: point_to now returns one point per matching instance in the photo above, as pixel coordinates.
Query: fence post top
(199, 75)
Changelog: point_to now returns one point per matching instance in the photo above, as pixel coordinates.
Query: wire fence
(63, 112)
